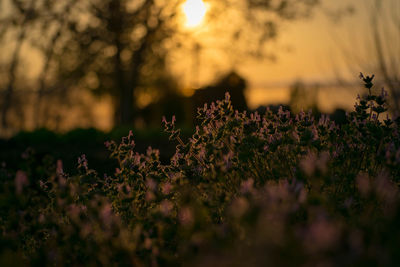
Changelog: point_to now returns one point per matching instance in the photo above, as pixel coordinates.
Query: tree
(122, 45)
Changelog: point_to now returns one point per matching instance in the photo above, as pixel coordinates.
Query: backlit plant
(244, 189)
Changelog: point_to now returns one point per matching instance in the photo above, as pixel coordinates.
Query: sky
(309, 50)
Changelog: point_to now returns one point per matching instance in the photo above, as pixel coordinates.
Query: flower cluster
(244, 189)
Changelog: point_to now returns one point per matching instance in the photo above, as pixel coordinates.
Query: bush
(244, 190)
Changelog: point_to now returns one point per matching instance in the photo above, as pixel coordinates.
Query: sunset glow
(194, 10)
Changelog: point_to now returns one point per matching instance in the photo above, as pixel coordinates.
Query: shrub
(279, 189)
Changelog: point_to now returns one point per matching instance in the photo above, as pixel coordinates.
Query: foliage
(281, 189)
(117, 47)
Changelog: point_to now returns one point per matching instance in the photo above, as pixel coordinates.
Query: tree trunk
(124, 105)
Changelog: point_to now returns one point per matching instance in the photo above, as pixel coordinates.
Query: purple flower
(166, 207)
(166, 188)
(186, 216)
(247, 186)
(59, 169)
(21, 180)
(321, 235)
(151, 184)
(82, 162)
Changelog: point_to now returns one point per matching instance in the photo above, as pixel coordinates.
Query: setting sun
(195, 11)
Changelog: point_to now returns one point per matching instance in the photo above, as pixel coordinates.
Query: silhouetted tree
(118, 46)
(232, 83)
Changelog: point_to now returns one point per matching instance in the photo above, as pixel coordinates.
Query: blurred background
(108, 65)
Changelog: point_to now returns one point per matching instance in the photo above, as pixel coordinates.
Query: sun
(194, 10)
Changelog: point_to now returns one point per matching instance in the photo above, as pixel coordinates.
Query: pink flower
(151, 184)
(322, 235)
(227, 97)
(247, 186)
(186, 216)
(75, 210)
(21, 180)
(166, 207)
(147, 243)
(124, 189)
(166, 188)
(149, 196)
(239, 207)
(86, 230)
(363, 184)
(82, 162)
(308, 164)
(315, 133)
(106, 214)
(296, 136)
(41, 218)
(59, 169)
(312, 162)
(386, 189)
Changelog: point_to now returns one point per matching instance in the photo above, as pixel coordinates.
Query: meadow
(246, 189)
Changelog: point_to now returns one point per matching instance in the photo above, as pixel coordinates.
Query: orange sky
(309, 50)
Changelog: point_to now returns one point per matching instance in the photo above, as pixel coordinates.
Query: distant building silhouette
(171, 104)
(232, 83)
(185, 108)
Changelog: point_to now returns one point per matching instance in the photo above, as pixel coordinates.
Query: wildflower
(321, 235)
(41, 218)
(74, 211)
(21, 180)
(124, 189)
(277, 191)
(166, 207)
(147, 243)
(296, 136)
(149, 196)
(247, 186)
(302, 196)
(166, 188)
(385, 189)
(239, 207)
(107, 144)
(60, 174)
(315, 133)
(82, 162)
(59, 169)
(151, 184)
(86, 229)
(42, 184)
(106, 214)
(227, 97)
(227, 160)
(308, 164)
(186, 216)
(312, 163)
(363, 184)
